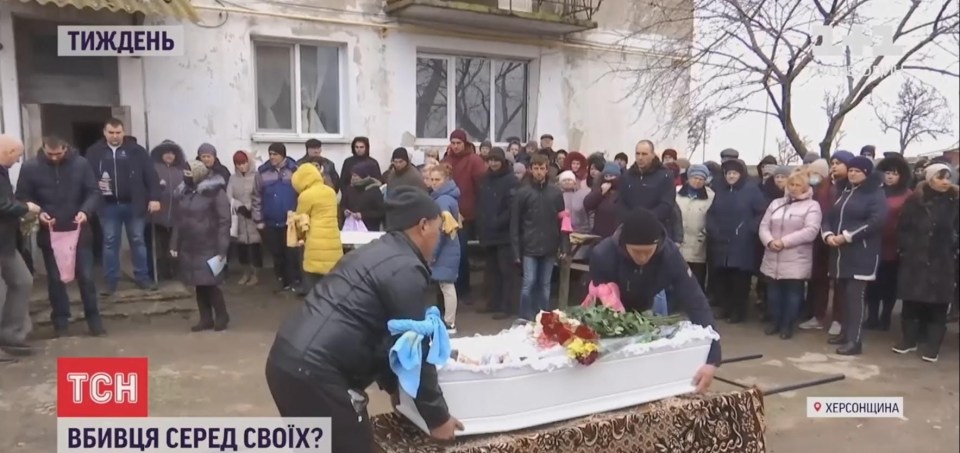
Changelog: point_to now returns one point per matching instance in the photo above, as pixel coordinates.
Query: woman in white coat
(694, 199)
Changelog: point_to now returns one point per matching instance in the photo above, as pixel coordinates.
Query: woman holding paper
(201, 238)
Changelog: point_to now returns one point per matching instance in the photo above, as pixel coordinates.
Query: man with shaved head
(14, 303)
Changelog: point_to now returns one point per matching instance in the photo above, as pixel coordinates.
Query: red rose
(585, 333)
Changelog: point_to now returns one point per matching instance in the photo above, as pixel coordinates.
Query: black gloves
(244, 211)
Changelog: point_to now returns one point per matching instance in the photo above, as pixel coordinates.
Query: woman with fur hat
(202, 234)
(853, 229)
(882, 292)
(928, 234)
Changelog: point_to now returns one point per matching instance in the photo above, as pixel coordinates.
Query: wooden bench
(567, 264)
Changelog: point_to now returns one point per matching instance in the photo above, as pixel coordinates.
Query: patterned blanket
(728, 423)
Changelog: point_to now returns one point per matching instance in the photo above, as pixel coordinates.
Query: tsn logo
(102, 387)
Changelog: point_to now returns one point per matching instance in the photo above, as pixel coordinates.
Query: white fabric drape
(273, 73)
(313, 72)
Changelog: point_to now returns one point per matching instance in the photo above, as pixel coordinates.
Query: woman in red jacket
(881, 295)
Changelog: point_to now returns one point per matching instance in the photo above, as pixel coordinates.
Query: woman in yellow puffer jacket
(318, 201)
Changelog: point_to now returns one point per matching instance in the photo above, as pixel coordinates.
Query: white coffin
(520, 396)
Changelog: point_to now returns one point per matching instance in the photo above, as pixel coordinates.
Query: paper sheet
(216, 265)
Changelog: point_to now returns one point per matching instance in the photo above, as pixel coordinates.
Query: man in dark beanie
(327, 353)
(401, 173)
(869, 151)
(494, 201)
(642, 260)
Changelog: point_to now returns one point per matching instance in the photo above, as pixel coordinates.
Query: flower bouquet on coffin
(580, 342)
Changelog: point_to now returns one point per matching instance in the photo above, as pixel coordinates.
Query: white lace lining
(518, 350)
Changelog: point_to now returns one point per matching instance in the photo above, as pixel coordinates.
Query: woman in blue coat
(446, 257)
(733, 222)
(852, 230)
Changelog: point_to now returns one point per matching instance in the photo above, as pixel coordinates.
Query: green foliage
(608, 323)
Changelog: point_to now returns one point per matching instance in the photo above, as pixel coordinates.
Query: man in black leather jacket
(327, 353)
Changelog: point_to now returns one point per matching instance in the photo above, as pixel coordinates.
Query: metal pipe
(790, 387)
(741, 358)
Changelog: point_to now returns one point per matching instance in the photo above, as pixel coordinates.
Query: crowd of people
(853, 232)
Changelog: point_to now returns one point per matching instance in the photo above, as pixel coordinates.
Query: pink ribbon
(566, 225)
(608, 294)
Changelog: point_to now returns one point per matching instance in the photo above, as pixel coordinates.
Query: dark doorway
(85, 134)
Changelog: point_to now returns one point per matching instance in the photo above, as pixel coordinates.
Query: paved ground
(221, 374)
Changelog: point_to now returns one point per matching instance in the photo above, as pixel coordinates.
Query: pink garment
(796, 223)
(608, 294)
(352, 224)
(64, 245)
(566, 225)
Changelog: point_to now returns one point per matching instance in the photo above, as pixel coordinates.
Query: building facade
(401, 72)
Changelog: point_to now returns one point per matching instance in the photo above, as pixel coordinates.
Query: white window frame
(451, 60)
(266, 135)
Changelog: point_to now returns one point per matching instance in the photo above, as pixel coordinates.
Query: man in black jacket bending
(327, 353)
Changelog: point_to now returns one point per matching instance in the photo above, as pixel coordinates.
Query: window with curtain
(298, 88)
(485, 97)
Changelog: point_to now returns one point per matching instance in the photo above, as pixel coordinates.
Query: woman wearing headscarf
(519, 170)
(694, 199)
(929, 239)
(882, 292)
(602, 201)
(787, 232)
(853, 229)
(202, 234)
(362, 199)
(733, 221)
(207, 154)
(573, 195)
(360, 150)
(246, 237)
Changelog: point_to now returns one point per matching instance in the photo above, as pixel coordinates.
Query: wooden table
(728, 422)
(577, 241)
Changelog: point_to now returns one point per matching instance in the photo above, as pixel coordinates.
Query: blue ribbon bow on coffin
(406, 355)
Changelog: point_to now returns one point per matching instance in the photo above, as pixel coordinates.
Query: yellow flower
(579, 348)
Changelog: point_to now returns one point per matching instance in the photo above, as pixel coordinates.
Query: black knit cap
(400, 153)
(640, 227)
(407, 205)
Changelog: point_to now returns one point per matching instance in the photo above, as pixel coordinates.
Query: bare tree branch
(724, 56)
(920, 111)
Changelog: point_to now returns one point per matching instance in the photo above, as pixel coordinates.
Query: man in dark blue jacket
(131, 189)
(61, 182)
(648, 185)
(273, 197)
(643, 261)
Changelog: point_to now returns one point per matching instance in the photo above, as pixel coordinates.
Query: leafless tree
(725, 53)
(831, 105)
(920, 111)
(786, 153)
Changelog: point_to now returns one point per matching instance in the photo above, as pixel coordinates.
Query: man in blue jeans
(61, 182)
(131, 189)
(535, 236)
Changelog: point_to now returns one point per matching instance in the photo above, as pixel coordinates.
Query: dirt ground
(221, 374)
